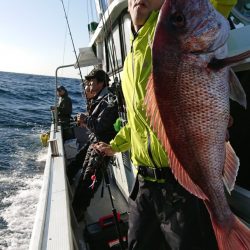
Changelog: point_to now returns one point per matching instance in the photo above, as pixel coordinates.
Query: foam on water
(19, 214)
(18, 207)
(42, 155)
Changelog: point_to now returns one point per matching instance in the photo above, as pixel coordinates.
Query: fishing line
(88, 15)
(65, 36)
(72, 41)
(91, 10)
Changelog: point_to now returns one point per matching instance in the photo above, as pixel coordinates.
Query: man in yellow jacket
(159, 206)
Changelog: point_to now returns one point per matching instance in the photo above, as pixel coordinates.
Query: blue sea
(25, 102)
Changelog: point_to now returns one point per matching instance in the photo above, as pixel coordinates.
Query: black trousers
(165, 216)
(77, 163)
(94, 164)
(67, 132)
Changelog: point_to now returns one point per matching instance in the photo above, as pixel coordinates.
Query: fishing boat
(55, 226)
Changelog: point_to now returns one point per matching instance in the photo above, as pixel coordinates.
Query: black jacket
(104, 112)
(64, 109)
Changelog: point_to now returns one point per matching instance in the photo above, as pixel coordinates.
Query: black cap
(98, 74)
(61, 88)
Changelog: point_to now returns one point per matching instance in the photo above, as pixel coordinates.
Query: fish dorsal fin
(156, 123)
(231, 168)
(237, 93)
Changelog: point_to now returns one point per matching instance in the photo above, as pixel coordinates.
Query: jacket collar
(146, 27)
(103, 92)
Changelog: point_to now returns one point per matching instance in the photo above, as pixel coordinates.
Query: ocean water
(25, 102)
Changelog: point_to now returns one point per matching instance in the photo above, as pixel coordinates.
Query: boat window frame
(125, 50)
(110, 38)
(121, 29)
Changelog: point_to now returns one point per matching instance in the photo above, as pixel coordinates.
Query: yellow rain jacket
(224, 6)
(137, 134)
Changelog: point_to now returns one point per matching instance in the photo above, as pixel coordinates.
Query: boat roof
(110, 15)
(86, 58)
(86, 55)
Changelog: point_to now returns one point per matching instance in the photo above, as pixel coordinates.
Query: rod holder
(53, 116)
(54, 147)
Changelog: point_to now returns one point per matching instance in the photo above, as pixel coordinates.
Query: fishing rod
(114, 211)
(72, 41)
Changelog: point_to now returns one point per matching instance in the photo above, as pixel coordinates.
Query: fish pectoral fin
(231, 168)
(155, 121)
(237, 93)
(182, 176)
(217, 64)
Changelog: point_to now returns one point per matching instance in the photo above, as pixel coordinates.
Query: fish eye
(178, 19)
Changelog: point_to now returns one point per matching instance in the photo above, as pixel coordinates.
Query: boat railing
(52, 228)
(38, 228)
(55, 117)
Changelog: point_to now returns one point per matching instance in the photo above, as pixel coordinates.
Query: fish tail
(235, 237)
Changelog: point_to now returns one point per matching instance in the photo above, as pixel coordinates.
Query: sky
(34, 37)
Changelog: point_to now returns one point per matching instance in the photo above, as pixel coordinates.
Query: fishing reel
(112, 101)
(97, 159)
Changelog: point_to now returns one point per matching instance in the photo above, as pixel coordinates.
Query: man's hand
(104, 148)
(80, 118)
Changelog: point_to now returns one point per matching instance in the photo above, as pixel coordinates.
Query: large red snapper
(188, 104)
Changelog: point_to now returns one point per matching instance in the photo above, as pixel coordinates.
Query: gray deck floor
(99, 207)
(102, 206)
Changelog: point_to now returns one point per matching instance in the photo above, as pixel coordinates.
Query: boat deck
(100, 206)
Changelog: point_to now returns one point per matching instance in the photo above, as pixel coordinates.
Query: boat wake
(19, 213)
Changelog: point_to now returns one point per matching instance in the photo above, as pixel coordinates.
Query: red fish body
(189, 109)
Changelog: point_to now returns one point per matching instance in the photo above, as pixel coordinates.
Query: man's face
(60, 93)
(88, 93)
(95, 86)
(140, 10)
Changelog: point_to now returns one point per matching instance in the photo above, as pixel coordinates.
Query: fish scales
(192, 108)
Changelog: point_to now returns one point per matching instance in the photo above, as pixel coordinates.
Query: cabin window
(104, 61)
(126, 35)
(114, 50)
